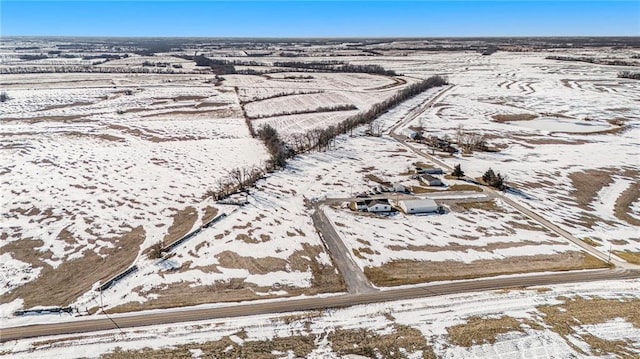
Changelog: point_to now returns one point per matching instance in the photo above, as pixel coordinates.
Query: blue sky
(320, 19)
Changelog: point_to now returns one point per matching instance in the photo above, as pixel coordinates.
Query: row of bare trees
(470, 141)
(237, 179)
(319, 139)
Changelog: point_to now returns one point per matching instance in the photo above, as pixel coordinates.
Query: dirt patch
(70, 279)
(477, 331)
(514, 117)
(574, 312)
(183, 222)
(624, 201)
(401, 272)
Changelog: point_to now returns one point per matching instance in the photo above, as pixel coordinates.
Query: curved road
(185, 315)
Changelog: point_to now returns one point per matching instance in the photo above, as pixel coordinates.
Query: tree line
(318, 139)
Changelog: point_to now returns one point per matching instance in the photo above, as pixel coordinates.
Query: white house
(378, 205)
(429, 180)
(413, 206)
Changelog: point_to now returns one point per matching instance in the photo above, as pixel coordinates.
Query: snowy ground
(570, 176)
(94, 165)
(521, 323)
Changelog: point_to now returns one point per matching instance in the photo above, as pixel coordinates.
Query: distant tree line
(629, 75)
(87, 69)
(302, 112)
(593, 60)
(336, 66)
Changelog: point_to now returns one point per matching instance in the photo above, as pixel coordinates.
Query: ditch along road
(607, 257)
(180, 315)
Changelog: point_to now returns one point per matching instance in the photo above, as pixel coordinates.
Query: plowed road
(185, 315)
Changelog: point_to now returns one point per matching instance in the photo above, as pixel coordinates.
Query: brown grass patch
(188, 98)
(75, 104)
(489, 206)
(183, 222)
(464, 187)
(401, 272)
(465, 248)
(262, 265)
(32, 120)
(631, 257)
(624, 202)
(371, 344)
(70, 279)
(211, 104)
(376, 179)
(587, 184)
(477, 330)
(574, 312)
(591, 242)
(300, 345)
(514, 117)
(209, 214)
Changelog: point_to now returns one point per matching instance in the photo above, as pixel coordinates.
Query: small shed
(413, 206)
(410, 133)
(429, 170)
(429, 180)
(399, 187)
(378, 205)
(360, 205)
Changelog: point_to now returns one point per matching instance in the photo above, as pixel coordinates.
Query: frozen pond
(553, 124)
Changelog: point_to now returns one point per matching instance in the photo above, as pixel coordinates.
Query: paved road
(315, 303)
(494, 193)
(353, 276)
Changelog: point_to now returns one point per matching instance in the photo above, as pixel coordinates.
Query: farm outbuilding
(399, 187)
(429, 170)
(413, 206)
(359, 205)
(429, 180)
(410, 133)
(378, 205)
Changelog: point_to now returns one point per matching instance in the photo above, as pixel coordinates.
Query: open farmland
(569, 151)
(159, 165)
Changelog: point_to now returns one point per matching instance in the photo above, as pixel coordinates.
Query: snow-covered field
(571, 171)
(543, 322)
(85, 170)
(487, 234)
(268, 97)
(97, 168)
